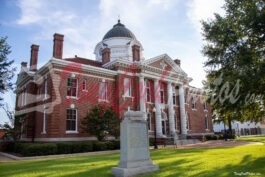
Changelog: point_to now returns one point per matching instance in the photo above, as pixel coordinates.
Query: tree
(6, 72)
(12, 128)
(101, 121)
(235, 48)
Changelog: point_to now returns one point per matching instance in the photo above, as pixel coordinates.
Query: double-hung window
(46, 89)
(162, 93)
(204, 106)
(71, 120)
(84, 85)
(103, 91)
(127, 87)
(206, 122)
(174, 98)
(72, 87)
(193, 103)
(148, 93)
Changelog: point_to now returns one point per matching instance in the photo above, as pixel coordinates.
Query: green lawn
(215, 162)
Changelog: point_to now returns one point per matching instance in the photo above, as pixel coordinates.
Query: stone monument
(134, 156)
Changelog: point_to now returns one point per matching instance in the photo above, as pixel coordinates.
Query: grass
(226, 162)
(252, 138)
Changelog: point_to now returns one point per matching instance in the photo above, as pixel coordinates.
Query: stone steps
(176, 142)
(187, 141)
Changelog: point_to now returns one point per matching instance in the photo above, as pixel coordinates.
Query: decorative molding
(62, 63)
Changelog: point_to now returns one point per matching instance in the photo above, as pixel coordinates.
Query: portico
(165, 116)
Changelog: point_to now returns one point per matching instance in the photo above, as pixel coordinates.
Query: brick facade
(43, 95)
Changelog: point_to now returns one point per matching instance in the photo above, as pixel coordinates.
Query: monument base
(126, 172)
(134, 155)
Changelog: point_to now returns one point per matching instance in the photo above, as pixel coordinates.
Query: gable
(164, 62)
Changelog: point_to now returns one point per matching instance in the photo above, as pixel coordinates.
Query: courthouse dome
(119, 30)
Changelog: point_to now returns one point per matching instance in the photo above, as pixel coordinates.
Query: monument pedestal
(135, 155)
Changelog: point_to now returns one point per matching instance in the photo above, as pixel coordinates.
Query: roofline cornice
(62, 63)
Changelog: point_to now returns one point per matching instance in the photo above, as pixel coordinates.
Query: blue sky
(162, 26)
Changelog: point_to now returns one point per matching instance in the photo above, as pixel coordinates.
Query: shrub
(64, 148)
(38, 149)
(87, 146)
(99, 146)
(116, 144)
(34, 149)
(220, 137)
(112, 145)
(10, 147)
(18, 147)
(212, 137)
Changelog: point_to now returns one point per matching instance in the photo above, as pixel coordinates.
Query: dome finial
(119, 19)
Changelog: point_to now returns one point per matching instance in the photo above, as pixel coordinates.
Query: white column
(158, 109)
(142, 95)
(183, 120)
(170, 110)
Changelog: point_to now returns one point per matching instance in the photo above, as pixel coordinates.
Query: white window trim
(84, 89)
(205, 107)
(44, 122)
(174, 94)
(24, 98)
(185, 97)
(147, 87)
(76, 125)
(162, 91)
(187, 121)
(193, 102)
(206, 122)
(128, 90)
(46, 89)
(103, 94)
(73, 97)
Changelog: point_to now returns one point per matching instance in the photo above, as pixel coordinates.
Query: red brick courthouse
(52, 101)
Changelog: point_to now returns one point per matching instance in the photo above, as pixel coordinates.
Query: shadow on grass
(208, 162)
(94, 165)
(224, 162)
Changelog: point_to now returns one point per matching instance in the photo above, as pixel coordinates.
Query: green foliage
(33, 149)
(101, 121)
(236, 61)
(220, 137)
(12, 129)
(6, 73)
(37, 149)
(100, 146)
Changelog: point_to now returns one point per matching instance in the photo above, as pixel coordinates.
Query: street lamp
(154, 112)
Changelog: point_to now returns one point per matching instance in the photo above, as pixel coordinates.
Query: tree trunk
(229, 126)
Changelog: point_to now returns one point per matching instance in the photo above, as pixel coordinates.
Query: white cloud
(54, 17)
(202, 10)
(161, 26)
